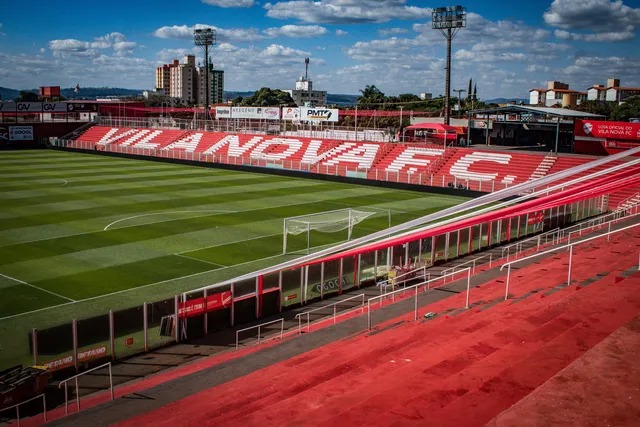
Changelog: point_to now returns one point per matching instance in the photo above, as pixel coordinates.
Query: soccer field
(81, 234)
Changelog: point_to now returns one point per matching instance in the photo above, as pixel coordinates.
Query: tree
(372, 98)
(469, 94)
(596, 107)
(266, 97)
(630, 108)
(27, 96)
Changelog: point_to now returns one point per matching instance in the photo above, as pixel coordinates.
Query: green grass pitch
(81, 234)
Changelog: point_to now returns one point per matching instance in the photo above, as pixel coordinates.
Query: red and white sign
(83, 356)
(602, 129)
(196, 307)
(535, 217)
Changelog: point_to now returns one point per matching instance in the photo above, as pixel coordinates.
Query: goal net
(323, 222)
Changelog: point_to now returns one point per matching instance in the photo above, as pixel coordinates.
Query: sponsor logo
(587, 127)
(83, 356)
(4, 134)
(271, 112)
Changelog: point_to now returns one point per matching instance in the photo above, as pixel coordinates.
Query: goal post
(326, 222)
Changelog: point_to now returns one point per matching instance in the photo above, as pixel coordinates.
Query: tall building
(163, 76)
(216, 85)
(186, 82)
(304, 95)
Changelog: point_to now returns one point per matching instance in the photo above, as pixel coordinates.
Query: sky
(507, 47)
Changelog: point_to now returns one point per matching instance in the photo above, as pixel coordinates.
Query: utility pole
(459, 95)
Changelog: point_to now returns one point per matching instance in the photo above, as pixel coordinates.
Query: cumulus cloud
(340, 32)
(186, 32)
(66, 48)
(599, 20)
(230, 3)
(391, 31)
(296, 31)
(345, 11)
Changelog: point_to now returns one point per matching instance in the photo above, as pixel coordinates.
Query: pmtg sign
(318, 114)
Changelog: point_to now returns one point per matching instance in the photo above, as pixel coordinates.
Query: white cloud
(599, 20)
(186, 32)
(345, 11)
(391, 31)
(595, 37)
(1, 33)
(296, 31)
(66, 48)
(230, 3)
(341, 33)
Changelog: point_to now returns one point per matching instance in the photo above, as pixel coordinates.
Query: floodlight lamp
(449, 17)
(204, 37)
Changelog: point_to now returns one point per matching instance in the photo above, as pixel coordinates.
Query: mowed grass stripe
(125, 276)
(89, 182)
(132, 204)
(80, 171)
(14, 299)
(42, 249)
(167, 184)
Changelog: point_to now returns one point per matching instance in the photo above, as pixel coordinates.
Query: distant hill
(7, 94)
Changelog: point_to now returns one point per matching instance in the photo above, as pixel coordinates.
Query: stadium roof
(545, 111)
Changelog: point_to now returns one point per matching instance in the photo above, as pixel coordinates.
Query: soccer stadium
(292, 264)
(130, 250)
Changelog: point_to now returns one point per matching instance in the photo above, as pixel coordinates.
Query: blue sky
(508, 47)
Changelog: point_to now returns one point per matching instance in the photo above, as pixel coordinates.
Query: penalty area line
(201, 260)
(37, 287)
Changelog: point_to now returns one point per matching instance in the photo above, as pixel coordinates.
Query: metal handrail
(471, 261)
(299, 315)
(281, 320)
(568, 245)
(75, 377)
(416, 287)
(17, 407)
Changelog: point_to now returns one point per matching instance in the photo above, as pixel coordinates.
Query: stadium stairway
(404, 372)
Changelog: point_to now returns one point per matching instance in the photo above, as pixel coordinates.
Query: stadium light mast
(448, 20)
(205, 37)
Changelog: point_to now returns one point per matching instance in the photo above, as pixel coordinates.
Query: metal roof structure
(544, 111)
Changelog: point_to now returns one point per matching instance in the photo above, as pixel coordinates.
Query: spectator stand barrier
(299, 316)
(518, 247)
(416, 288)
(75, 379)
(259, 327)
(18, 405)
(568, 246)
(473, 263)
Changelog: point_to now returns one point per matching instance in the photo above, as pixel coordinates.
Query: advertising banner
(266, 113)
(196, 306)
(481, 124)
(223, 112)
(81, 106)
(535, 217)
(318, 114)
(83, 356)
(29, 107)
(291, 113)
(8, 107)
(20, 133)
(602, 129)
(54, 107)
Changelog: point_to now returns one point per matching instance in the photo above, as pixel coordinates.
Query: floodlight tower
(205, 37)
(448, 20)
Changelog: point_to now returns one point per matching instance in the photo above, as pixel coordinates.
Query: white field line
(201, 260)
(204, 213)
(131, 289)
(36, 287)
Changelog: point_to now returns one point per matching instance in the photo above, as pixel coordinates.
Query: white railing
(299, 316)
(259, 327)
(75, 378)
(416, 288)
(517, 246)
(17, 407)
(473, 263)
(556, 249)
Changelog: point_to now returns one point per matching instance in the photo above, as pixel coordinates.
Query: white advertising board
(266, 113)
(291, 113)
(318, 114)
(223, 112)
(20, 133)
